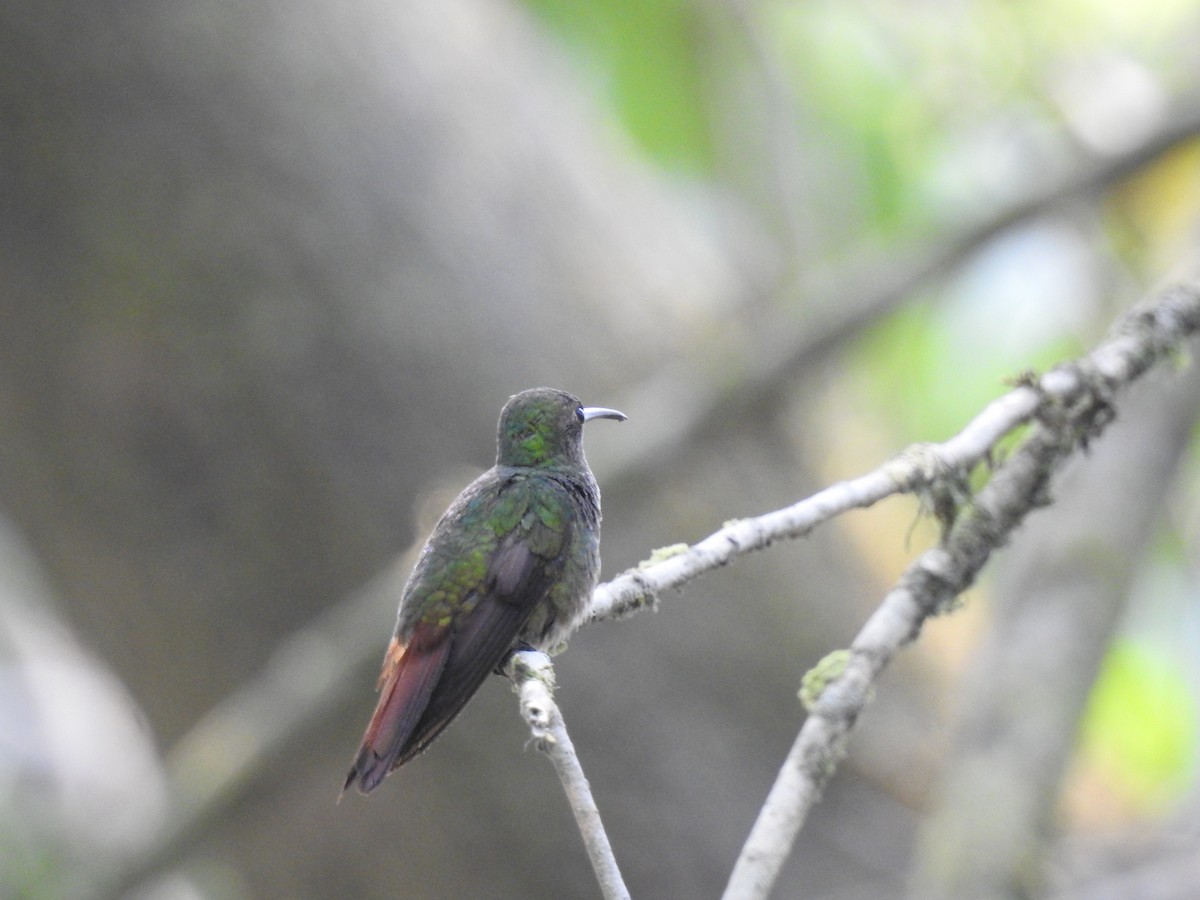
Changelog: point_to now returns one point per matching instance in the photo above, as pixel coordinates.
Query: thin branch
(1075, 409)
(533, 678)
(920, 469)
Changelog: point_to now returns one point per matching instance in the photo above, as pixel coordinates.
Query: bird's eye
(579, 413)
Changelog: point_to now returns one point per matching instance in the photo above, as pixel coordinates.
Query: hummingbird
(510, 565)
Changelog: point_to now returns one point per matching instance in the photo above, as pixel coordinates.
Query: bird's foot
(518, 647)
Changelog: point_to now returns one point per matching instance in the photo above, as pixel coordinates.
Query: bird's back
(512, 562)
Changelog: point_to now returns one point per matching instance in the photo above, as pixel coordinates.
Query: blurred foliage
(903, 93)
(1152, 215)
(644, 57)
(954, 366)
(31, 867)
(1142, 725)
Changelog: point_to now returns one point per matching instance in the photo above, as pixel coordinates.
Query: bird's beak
(602, 412)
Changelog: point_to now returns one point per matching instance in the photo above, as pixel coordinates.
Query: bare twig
(533, 678)
(1073, 406)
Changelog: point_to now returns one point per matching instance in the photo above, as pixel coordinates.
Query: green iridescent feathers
(511, 563)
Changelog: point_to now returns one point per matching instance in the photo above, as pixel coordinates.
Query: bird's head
(544, 427)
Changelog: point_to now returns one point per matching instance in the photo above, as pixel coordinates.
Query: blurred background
(268, 272)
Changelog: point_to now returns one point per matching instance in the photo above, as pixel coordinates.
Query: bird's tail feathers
(405, 684)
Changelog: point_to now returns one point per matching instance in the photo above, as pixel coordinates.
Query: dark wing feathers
(444, 663)
(479, 643)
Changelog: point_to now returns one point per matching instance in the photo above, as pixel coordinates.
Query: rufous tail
(405, 685)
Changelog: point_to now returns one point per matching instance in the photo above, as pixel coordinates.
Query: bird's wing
(480, 642)
(463, 610)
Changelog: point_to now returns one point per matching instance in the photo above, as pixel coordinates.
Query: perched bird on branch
(509, 566)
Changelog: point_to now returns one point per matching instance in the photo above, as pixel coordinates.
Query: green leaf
(643, 55)
(1141, 725)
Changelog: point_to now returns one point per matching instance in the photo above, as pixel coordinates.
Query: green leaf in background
(1141, 725)
(932, 366)
(644, 55)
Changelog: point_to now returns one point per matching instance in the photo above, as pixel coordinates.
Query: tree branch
(1073, 405)
(1055, 603)
(930, 470)
(532, 675)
